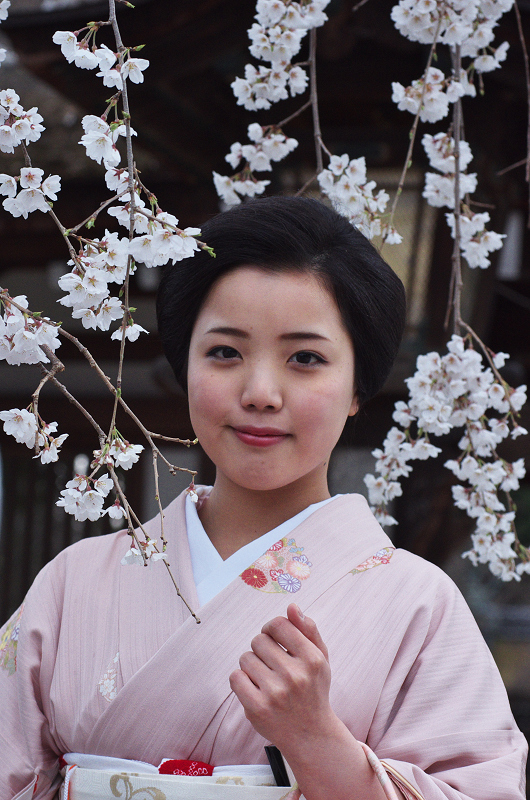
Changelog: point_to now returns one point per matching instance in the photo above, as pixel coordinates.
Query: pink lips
(260, 437)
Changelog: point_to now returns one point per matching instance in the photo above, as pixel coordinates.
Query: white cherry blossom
(133, 69)
(8, 185)
(457, 390)
(20, 423)
(132, 332)
(68, 43)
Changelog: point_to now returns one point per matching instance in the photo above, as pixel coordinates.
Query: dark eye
(224, 353)
(306, 359)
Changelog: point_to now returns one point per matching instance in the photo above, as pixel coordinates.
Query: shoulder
(84, 558)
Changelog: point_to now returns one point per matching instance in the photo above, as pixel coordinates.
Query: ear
(354, 406)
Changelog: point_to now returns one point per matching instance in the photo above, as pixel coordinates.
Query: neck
(233, 516)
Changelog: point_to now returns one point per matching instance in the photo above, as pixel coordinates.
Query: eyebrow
(289, 337)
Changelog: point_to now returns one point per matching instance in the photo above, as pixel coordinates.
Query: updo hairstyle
(281, 234)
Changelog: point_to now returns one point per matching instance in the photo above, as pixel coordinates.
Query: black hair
(285, 234)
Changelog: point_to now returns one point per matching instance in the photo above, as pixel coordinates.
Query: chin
(261, 481)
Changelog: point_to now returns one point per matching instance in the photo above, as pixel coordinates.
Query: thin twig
(471, 202)
(130, 528)
(527, 75)
(314, 98)
(306, 185)
(94, 215)
(128, 512)
(64, 232)
(113, 389)
(456, 257)
(27, 159)
(186, 442)
(359, 5)
(413, 131)
(154, 218)
(56, 366)
(485, 350)
(7, 300)
(192, 612)
(293, 116)
(132, 202)
(512, 166)
(157, 498)
(62, 388)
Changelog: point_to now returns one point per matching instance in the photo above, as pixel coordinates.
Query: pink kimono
(105, 659)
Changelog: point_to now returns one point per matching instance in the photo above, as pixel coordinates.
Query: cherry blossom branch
(485, 350)
(57, 366)
(456, 258)
(114, 390)
(64, 232)
(130, 516)
(186, 442)
(359, 5)
(192, 612)
(92, 217)
(129, 513)
(7, 300)
(296, 113)
(93, 363)
(62, 388)
(520, 163)
(27, 159)
(527, 76)
(132, 200)
(153, 218)
(314, 99)
(414, 129)
(306, 185)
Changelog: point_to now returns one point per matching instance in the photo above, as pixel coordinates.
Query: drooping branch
(56, 366)
(295, 114)
(62, 388)
(456, 256)
(414, 129)
(314, 99)
(527, 76)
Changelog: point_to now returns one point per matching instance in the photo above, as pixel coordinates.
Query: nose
(262, 390)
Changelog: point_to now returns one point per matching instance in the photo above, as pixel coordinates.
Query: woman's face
(270, 378)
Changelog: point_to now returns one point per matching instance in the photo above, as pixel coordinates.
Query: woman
(278, 340)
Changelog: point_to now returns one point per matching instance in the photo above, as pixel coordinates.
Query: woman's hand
(283, 682)
(283, 685)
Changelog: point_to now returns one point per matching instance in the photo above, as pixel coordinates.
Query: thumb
(308, 627)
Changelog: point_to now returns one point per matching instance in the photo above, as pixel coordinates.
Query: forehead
(279, 298)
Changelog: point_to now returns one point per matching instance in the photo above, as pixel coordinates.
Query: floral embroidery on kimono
(107, 683)
(382, 556)
(281, 569)
(9, 642)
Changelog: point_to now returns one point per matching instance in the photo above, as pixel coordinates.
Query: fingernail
(300, 612)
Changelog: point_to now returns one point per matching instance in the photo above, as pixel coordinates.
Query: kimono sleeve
(29, 762)
(443, 724)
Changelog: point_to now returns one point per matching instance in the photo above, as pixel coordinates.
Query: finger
(255, 668)
(246, 692)
(308, 627)
(294, 640)
(270, 652)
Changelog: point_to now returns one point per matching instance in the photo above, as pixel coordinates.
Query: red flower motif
(278, 546)
(254, 577)
(274, 574)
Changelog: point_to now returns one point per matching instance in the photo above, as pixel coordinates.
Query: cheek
(205, 401)
(323, 415)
